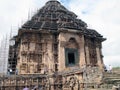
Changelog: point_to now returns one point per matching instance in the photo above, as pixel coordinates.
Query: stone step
(118, 78)
(100, 89)
(111, 78)
(112, 75)
(107, 73)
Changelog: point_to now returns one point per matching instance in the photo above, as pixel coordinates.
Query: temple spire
(53, 0)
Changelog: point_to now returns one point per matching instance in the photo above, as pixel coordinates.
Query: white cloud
(102, 15)
(12, 13)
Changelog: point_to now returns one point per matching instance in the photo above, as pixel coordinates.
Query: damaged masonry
(54, 51)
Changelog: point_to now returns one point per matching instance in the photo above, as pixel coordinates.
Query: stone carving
(53, 36)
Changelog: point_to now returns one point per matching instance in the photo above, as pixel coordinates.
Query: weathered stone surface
(58, 44)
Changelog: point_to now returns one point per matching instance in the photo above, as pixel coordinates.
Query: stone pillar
(87, 55)
(61, 50)
(19, 61)
(61, 57)
(99, 59)
(48, 57)
(82, 51)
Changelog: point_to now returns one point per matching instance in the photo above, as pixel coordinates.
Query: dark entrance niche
(71, 58)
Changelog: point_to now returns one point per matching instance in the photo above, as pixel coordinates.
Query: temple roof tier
(53, 16)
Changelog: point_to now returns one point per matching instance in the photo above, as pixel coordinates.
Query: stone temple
(57, 44)
(56, 40)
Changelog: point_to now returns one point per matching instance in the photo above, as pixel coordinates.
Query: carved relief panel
(91, 44)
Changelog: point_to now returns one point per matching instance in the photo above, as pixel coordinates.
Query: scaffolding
(4, 49)
(11, 67)
(5, 44)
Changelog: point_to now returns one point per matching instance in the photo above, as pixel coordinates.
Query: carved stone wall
(93, 53)
(36, 49)
(72, 40)
(78, 79)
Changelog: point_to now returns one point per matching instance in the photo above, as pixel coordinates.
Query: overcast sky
(101, 15)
